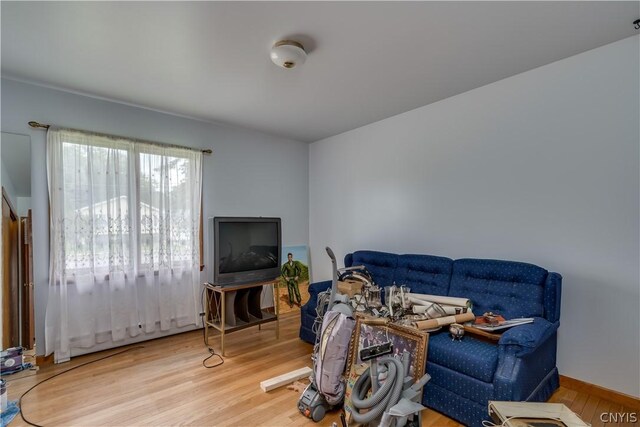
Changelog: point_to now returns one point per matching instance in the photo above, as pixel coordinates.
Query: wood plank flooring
(164, 383)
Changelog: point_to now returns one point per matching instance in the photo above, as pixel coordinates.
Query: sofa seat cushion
(424, 274)
(470, 356)
(512, 289)
(381, 265)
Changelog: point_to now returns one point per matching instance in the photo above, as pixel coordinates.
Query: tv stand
(235, 307)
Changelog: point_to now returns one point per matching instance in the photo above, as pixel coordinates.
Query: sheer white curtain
(124, 239)
(169, 212)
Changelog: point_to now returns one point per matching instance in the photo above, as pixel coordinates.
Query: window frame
(139, 265)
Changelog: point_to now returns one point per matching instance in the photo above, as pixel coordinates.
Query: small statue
(456, 331)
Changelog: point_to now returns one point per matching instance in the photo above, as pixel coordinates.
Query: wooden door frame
(8, 300)
(26, 314)
(27, 322)
(5, 196)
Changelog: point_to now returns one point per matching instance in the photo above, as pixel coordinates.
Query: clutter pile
(469, 364)
(385, 394)
(12, 361)
(424, 312)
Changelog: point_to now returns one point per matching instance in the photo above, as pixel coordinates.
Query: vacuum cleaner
(395, 402)
(331, 350)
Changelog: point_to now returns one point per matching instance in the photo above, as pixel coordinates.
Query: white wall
(7, 183)
(249, 174)
(24, 204)
(542, 167)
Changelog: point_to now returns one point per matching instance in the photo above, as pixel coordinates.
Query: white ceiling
(367, 60)
(16, 159)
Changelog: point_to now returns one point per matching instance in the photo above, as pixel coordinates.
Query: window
(113, 190)
(125, 238)
(96, 196)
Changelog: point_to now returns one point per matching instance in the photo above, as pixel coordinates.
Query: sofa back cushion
(424, 274)
(381, 265)
(513, 289)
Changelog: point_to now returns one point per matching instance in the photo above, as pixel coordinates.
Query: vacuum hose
(383, 399)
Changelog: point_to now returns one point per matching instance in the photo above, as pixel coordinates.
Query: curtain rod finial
(34, 124)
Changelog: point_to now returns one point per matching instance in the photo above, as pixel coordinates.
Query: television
(245, 249)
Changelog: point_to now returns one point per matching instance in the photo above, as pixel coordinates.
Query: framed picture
(294, 280)
(293, 283)
(369, 331)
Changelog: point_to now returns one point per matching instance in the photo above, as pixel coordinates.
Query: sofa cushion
(552, 292)
(424, 274)
(381, 265)
(470, 356)
(512, 289)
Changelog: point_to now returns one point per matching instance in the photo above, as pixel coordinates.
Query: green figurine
(291, 272)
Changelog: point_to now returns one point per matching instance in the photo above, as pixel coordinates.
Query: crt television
(245, 249)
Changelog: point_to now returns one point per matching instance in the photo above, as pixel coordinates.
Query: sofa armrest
(525, 339)
(527, 373)
(317, 287)
(314, 290)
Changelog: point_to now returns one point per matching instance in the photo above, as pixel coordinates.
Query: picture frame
(402, 337)
(370, 331)
(293, 299)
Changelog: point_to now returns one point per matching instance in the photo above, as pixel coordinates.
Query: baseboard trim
(44, 360)
(601, 392)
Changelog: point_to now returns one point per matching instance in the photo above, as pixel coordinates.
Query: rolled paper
(417, 301)
(448, 309)
(460, 302)
(442, 321)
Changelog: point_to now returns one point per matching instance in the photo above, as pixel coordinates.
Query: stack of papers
(504, 325)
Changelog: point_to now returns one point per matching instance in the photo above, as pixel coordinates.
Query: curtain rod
(37, 125)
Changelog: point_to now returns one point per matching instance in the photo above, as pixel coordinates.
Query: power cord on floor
(64, 372)
(506, 423)
(212, 352)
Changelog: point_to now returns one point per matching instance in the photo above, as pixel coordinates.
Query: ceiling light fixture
(288, 54)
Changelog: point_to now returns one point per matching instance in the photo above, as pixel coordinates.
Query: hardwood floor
(164, 383)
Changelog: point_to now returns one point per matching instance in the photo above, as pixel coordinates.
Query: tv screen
(246, 249)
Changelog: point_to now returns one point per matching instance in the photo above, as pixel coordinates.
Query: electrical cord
(321, 307)
(211, 351)
(505, 423)
(64, 372)
(316, 328)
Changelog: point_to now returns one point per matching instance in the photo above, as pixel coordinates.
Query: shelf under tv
(241, 324)
(234, 307)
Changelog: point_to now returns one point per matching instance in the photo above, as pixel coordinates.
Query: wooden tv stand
(235, 307)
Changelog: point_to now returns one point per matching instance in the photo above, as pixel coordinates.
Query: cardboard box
(525, 414)
(350, 287)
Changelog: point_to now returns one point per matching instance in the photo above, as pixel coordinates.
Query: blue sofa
(465, 375)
